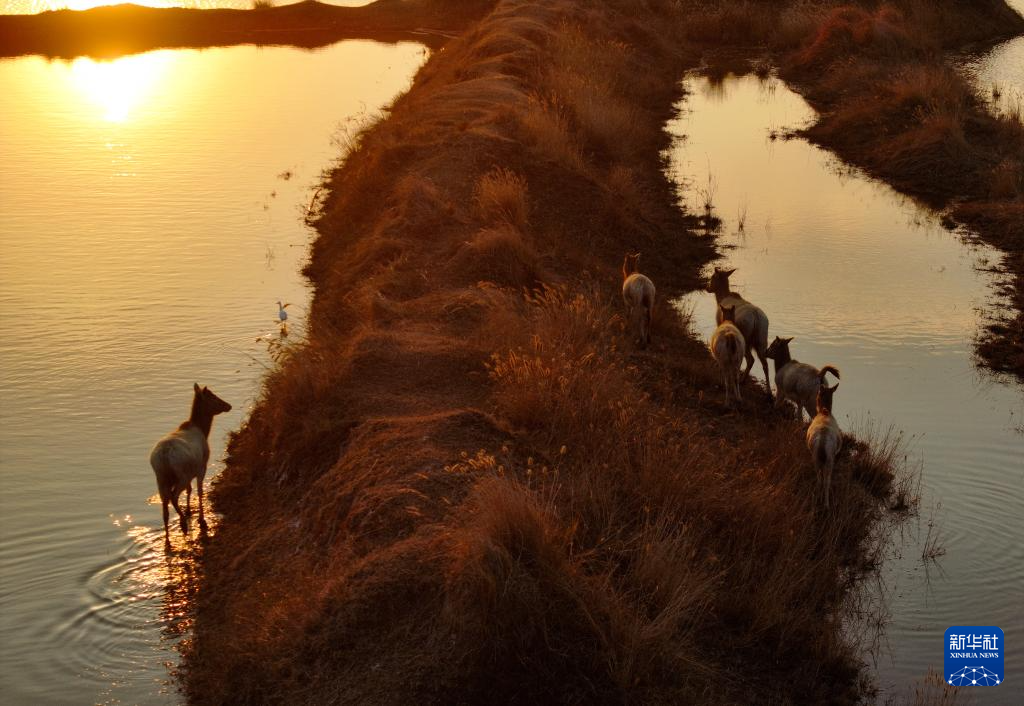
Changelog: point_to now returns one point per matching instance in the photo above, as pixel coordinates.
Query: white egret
(281, 313)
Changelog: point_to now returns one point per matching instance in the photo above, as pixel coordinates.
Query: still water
(152, 215)
(865, 279)
(999, 73)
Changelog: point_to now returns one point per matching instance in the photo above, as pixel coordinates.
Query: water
(152, 216)
(29, 7)
(867, 280)
(999, 73)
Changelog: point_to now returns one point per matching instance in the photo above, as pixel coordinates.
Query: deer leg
(167, 535)
(764, 367)
(780, 400)
(749, 356)
(736, 386)
(181, 516)
(202, 518)
(188, 499)
(828, 482)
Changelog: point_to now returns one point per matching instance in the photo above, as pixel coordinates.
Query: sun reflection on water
(169, 574)
(117, 87)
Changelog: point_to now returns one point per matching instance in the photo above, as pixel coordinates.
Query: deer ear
(195, 387)
(729, 272)
(789, 340)
(833, 388)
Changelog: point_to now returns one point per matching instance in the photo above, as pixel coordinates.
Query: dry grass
(501, 196)
(499, 255)
(547, 132)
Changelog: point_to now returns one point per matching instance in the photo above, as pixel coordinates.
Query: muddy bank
(471, 483)
(127, 29)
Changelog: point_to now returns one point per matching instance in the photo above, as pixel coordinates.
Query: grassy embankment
(115, 30)
(890, 104)
(469, 484)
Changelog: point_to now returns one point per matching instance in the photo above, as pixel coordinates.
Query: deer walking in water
(728, 349)
(183, 454)
(796, 381)
(824, 438)
(750, 320)
(638, 293)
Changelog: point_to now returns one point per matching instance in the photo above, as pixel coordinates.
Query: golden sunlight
(118, 86)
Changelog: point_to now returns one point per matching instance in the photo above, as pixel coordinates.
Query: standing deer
(638, 293)
(796, 381)
(183, 454)
(728, 349)
(750, 320)
(824, 438)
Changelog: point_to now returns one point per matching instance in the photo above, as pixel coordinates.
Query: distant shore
(116, 30)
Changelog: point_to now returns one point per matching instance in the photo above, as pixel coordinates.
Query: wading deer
(796, 381)
(638, 293)
(824, 438)
(750, 320)
(728, 349)
(183, 454)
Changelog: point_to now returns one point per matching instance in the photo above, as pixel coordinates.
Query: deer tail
(828, 369)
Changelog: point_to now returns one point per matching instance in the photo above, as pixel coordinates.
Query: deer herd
(741, 332)
(182, 456)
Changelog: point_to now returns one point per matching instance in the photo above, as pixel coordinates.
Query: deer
(824, 438)
(728, 348)
(750, 320)
(796, 381)
(638, 293)
(183, 454)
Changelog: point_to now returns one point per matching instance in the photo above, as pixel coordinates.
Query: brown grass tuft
(1007, 179)
(547, 132)
(501, 196)
(499, 255)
